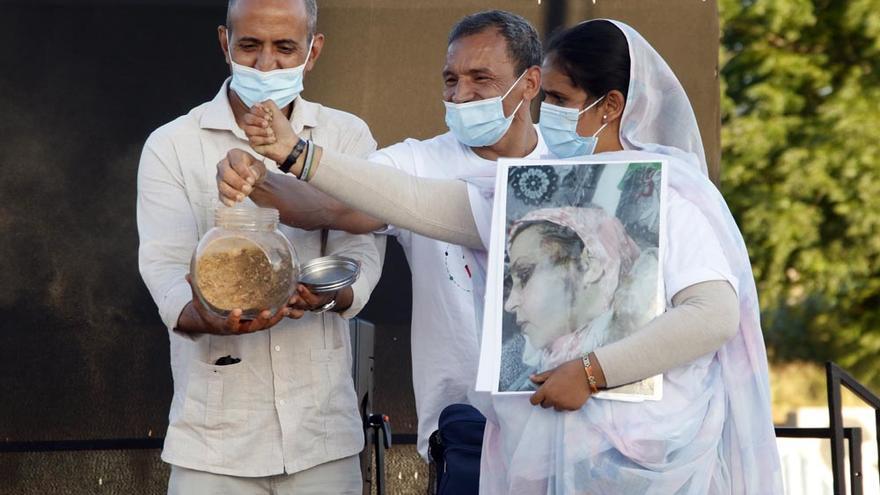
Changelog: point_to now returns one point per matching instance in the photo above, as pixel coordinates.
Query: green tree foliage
(801, 171)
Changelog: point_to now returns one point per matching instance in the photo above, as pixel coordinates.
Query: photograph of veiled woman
(575, 280)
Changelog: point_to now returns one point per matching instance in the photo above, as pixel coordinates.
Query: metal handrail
(854, 435)
(837, 377)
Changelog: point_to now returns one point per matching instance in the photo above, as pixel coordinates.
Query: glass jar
(244, 262)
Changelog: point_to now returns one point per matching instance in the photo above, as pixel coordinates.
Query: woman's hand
(269, 132)
(564, 388)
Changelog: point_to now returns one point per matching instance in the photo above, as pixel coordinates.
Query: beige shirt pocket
(217, 403)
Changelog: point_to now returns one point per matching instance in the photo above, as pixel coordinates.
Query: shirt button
(281, 402)
(277, 347)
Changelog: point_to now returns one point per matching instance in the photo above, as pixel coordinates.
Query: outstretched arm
(439, 209)
(301, 205)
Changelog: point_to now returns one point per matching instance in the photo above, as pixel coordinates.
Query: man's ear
(532, 83)
(224, 42)
(317, 46)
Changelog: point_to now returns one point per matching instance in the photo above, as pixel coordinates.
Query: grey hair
(523, 45)
(311, 14)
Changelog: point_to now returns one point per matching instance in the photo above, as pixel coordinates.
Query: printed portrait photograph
(581, 265)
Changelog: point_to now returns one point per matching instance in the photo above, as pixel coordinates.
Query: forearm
(439, 209)
(302, 206)
(344, 298)
(191, 322)
(704, 316)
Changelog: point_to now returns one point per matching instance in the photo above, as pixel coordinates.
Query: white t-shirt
(445, 338)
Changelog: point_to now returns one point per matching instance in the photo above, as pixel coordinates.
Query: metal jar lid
(329, 273)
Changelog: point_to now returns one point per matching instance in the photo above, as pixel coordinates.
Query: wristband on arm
(588, 368)
(293, 156)
(307, 164)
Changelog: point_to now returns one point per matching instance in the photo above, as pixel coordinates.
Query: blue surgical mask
(559, 128)
(482, 122)
(255, 86)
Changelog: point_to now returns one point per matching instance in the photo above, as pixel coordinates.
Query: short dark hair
(594, 55)
(311, 15)
(523, 45)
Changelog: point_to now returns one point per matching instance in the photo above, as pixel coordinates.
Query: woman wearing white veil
(610, 94)
(712, 431)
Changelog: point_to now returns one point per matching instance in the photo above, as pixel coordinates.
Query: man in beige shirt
(284, 418)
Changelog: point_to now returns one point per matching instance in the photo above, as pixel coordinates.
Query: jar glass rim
(246, 217)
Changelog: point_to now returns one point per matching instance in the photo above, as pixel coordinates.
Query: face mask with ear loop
(482, 122)
(559, 128)
(255, 86)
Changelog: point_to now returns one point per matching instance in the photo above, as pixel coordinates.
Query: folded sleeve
(167, 229)
(369, 251)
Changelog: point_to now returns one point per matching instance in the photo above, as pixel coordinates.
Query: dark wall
(83, 354)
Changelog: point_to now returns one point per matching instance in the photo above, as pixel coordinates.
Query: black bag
(455, 450)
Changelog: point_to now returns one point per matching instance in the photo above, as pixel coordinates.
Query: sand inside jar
(236, 273)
